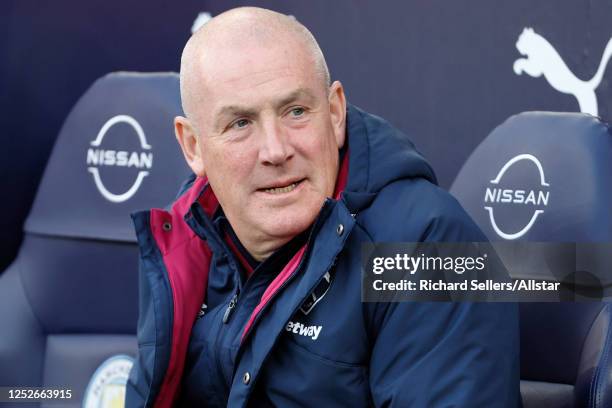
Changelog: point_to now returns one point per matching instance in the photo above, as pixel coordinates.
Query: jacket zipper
(280, 288)
(230, 307)
(306, 255)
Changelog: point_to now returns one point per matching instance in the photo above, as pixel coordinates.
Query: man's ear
(187, 137)
(337, 109)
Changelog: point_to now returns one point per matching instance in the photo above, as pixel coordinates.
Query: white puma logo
(543, 59)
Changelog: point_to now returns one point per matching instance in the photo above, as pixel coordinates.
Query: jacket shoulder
(414, 209)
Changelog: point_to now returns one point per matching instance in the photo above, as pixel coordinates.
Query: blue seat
(69, 301)
(547, 177)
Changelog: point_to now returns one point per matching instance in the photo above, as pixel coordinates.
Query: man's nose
(275, 146)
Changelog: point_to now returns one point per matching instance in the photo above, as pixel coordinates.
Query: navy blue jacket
(286, 350)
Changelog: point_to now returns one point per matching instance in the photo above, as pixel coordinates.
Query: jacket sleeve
(153, 320)
(139, 382)
(446, 354)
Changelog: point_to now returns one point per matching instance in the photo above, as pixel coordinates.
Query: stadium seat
(547, 177)
(69, 301)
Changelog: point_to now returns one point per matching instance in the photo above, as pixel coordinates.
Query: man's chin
(285, 228)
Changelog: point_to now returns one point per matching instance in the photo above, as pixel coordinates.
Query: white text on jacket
(307, 331)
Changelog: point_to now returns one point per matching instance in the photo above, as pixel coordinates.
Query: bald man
(251, 282)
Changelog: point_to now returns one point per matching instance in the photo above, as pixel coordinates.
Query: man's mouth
(282, 189)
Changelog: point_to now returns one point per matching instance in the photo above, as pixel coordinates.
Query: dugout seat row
(69, 301)
(565, 159)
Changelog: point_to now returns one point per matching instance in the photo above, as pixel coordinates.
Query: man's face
(269, 139)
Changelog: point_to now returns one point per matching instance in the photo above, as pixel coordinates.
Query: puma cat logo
(543, 59)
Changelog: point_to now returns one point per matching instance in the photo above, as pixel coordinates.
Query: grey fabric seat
(70, 299)
(566, 160)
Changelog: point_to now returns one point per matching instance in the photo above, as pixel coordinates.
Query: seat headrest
(116, 153)
(541, 176)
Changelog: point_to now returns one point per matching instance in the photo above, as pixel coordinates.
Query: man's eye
(297, 112)
(240, 123)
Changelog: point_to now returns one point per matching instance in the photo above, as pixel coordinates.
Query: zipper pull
(230, 308)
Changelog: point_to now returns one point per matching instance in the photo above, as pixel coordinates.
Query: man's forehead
(229, 78)
(247, 72)
(226, 61)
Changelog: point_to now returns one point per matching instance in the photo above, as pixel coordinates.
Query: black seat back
(69, 301)
(547, 177)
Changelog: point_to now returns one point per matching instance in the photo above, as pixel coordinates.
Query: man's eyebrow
(232, 111)
(295, 95)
